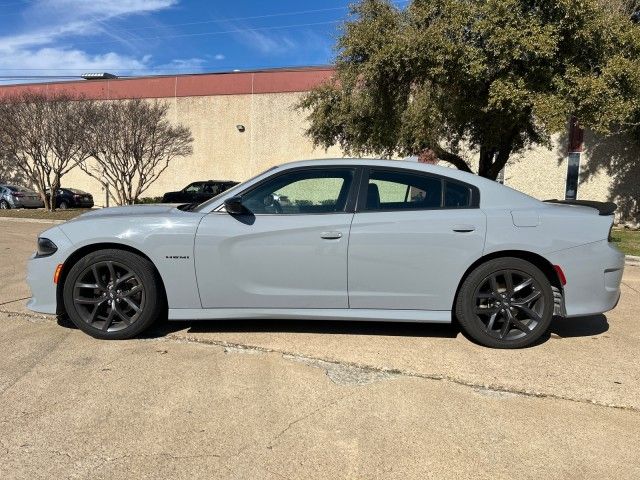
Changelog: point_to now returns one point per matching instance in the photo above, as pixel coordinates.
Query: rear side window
(393, 190)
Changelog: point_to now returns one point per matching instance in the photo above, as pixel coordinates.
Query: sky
(42, 39)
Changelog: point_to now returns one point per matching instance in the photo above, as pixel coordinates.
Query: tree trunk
(492, 160)
(486, 161)
(452, 158)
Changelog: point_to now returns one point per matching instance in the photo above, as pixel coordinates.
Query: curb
(31, 220)
(632, 260)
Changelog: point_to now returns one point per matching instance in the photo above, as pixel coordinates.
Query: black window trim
(352, 196)
(364, 183)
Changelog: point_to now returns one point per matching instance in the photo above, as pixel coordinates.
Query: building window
(573, 171)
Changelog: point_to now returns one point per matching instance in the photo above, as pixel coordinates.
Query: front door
(289, 250)
(412, 239)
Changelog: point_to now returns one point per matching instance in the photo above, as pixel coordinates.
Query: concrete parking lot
(303, 400)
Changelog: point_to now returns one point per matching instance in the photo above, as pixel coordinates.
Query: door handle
(463, 228)
(331, 235)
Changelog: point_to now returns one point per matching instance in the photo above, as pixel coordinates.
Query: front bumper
(594, 273)
(40, 271)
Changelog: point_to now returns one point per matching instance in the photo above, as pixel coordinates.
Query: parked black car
(72, 198)
(198, 191)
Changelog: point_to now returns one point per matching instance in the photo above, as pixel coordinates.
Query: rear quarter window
(456, 195)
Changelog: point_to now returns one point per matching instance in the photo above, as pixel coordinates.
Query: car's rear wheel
(505, 303)
(113, 294)
(4, 205)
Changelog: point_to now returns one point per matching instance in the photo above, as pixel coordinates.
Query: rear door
(412, 238)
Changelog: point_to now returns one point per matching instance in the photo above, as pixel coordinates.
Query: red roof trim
(236, 83)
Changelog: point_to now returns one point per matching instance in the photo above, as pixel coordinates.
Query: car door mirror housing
(233, 205)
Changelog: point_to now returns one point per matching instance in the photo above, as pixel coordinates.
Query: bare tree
(41, 137)
(132, 143)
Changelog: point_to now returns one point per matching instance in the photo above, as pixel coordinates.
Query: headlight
(45, 247)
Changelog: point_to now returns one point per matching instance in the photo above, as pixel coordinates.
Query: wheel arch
(87, 249)
(538, 260)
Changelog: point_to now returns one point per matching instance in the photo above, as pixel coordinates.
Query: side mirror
(233, 205)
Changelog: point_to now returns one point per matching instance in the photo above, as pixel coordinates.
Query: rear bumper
(594, 273)
(28, 203)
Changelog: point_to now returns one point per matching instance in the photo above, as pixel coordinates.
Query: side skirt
(356, 314)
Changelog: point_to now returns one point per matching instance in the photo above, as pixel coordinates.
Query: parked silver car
(336, 239)
(12, 196)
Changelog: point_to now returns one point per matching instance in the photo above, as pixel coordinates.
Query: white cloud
(42, 46)
(267, 43)
(57, 61)
(219, 56)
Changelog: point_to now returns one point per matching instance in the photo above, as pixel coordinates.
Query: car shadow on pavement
(579, 326)
(322, 327)
(560, 327)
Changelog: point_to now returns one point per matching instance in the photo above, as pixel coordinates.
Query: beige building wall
(274, 134)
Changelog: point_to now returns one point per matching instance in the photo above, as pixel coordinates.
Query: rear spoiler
(604, 208)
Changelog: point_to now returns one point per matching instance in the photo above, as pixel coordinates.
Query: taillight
(561, 277)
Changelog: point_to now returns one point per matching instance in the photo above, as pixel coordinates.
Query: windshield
(235, 188)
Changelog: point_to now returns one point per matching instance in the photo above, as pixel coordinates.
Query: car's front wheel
(505, 303)
(4, 205)
(113, 294)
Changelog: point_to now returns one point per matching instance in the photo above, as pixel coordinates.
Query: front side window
(393, 190)
(301, 192)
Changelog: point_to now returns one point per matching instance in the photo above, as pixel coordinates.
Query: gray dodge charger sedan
(336, 239)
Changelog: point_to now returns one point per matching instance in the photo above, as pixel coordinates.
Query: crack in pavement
(630, 287)
(400, 372)
(304, 417)
(16, 300)
(386, 372)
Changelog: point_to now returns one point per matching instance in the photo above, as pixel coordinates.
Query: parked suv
(73, 198)
(198, 192)
(12, 196)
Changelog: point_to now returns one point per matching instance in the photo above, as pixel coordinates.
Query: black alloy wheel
(505, 303)
(509, 303)
(113, 294)
(109, 296)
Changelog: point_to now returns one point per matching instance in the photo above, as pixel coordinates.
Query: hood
(133, 211)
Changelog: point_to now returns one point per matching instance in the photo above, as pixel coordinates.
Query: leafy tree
(131, 144)
(498, 76)
(41, 137)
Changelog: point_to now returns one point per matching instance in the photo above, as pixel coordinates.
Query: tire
(4, 205)
(106, 309)
(505, 303)
(63, 205)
